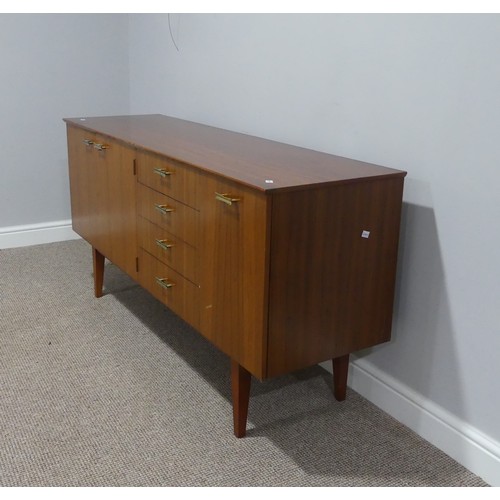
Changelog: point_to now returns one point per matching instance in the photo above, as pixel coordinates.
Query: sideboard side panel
(332, 274)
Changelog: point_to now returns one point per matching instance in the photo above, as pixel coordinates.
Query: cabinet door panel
(233, 270)
(88, 185)
(118, 163)
(103, 194)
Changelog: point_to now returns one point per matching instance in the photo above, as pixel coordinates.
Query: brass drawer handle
(162, 172)
(88, 142)
(164, 209)
(101, 147)
(164, 282)
(165, 244)
(226, 198)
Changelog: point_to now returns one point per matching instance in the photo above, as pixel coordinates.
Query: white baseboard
(458, 439)
(36, 234)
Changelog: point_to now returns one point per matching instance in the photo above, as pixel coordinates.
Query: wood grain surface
(247, 159)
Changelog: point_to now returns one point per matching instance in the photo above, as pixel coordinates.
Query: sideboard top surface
(256, 162)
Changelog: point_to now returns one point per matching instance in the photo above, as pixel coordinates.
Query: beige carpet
(117, 391)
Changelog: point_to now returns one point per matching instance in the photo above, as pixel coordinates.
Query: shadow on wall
(423, 332)
(422, 353)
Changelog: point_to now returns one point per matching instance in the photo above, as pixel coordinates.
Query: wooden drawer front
(169, 177)
(181, 221)
(176, 292)
(169, 249)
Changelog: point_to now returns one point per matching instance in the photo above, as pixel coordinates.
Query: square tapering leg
(98, 263)
(340, 370)
(240, 386)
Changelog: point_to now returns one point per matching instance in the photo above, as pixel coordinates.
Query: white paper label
(365, 234)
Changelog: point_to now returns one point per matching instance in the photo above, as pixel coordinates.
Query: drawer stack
(167, 225)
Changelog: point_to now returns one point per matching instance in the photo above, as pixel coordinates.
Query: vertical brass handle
(101, 147)
(226, 198)
(162, 172)
(164, 282)
(88, 142)
(164, 209)
(165, 244)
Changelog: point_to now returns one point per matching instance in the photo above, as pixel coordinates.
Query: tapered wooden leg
(340, 369)
(240, 386)
(98, 261)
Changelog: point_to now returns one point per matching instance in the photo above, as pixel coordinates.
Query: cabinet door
(121, 183)
(88, 185)
(103, 196)
(233, 270)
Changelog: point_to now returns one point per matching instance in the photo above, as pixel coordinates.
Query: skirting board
(458, 439)
(36, 234)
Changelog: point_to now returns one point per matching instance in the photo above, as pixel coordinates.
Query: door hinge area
(134, 167)
(137, 264)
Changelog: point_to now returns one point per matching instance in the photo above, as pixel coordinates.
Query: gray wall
(52, 66)
(414, 92)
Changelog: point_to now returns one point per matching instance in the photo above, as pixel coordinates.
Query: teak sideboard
(282, 257)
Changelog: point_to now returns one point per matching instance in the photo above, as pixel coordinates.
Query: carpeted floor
(118, 391)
